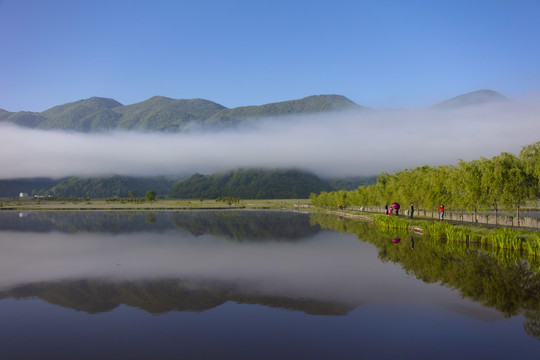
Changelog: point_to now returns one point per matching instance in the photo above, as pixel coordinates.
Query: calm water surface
(250, 285)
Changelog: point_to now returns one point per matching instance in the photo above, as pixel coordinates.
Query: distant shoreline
(158, 205)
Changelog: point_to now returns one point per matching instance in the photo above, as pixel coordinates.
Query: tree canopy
(502, 182)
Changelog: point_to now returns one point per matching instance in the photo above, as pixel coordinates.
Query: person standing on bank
(411, 210)
(441, 210)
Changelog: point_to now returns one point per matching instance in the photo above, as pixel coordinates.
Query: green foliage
(458, 233)
(436, 229)
(392, 222)
(351, 182)
(229, 200)
(150, 195)
(505, 238)
(532, 244)
(503, 182)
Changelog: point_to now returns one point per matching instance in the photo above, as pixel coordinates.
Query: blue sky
(377, 53)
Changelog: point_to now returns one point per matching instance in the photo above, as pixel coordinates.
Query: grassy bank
(161, 204)
(503, 238)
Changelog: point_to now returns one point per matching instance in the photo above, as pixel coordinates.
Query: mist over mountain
(164, 114)
(161, 113)
(243, 183)
(474, 98)
(330, 144)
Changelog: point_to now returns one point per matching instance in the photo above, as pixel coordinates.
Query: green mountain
(308, 105)
(4, 114)
(26, 119)
(473, 98)
(250, 184)
(112, 186)
(74, 116)
(164, 114)
(246, 184)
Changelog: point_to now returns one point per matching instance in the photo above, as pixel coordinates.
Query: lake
(254, 285)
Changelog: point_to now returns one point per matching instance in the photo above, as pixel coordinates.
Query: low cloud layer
(337, 144)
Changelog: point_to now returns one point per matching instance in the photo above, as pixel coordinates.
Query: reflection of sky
(328, 267)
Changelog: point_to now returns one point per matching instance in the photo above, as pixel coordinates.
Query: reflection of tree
(161, 296)
(150, 218)
(498, 280)
(84, 221)
(532, 325)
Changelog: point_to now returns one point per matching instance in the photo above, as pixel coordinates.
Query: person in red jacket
(441, 212)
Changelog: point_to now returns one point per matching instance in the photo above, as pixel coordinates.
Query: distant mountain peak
(478, 97)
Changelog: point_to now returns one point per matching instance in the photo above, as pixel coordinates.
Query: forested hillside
(260, 184)
(245, 184)
(164, 114)
(250, 184)
(111, 186)
(309, 105)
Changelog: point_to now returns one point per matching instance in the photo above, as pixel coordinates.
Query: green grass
(392, 222)
(458, 233)
(160, 204)
(505, 238)
(532, 244)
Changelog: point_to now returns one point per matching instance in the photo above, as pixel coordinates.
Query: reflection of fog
(328, 267)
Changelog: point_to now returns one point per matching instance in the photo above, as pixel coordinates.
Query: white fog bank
(332, 144)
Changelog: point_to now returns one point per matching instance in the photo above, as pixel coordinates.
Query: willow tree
(468, 186)
(530, 158)
(517, 185)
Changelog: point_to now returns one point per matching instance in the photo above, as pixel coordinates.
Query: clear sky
(247, 52)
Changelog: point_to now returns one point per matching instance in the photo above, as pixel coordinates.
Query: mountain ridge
(160, 113)
(478, 97)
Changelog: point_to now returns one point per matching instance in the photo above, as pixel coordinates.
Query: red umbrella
(396, 206)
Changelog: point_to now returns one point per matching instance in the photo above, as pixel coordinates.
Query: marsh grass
(505, 238)
(434, 229)
(532, 244)
(159, 204)
(458, 233)
(391, 222)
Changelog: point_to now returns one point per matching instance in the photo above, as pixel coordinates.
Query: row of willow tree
(504, 182)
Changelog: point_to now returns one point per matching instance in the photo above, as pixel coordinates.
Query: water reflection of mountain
(247, 225)
(161, 296)
(237, 225)
(502, 280)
